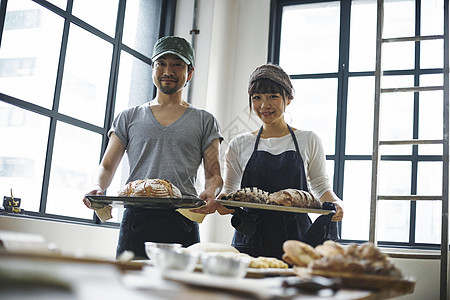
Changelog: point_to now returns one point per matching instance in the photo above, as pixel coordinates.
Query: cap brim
(171, 52)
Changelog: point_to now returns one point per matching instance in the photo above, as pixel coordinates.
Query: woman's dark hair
(264, 86)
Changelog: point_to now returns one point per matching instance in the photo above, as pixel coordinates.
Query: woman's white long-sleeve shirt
(310, 146)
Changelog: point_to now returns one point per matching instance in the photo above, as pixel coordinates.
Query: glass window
(363, 35)
(135, 84)
(86, 77)
(138, 29)
(429, 213)
(356, 197)
(314, 108)
(29, 54)
(75, 157)
(342, 110)
(432, 18)
(393, 216)
(360, 115)
(89, 11)
(58, 92)
(23, 136)
(310, 38)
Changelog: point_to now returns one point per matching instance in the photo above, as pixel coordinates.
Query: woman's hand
(222, 209)
(339, 204)
(211, 203)
(330, 196)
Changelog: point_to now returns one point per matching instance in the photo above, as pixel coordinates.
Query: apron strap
(290, 130)
(257, 139)
(294, 138)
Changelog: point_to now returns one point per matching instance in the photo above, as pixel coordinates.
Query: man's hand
(94, 192)
(211, 203)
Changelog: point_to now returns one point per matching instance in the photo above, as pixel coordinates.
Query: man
(166, 138)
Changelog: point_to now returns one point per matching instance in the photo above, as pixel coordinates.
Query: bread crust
(158, 188)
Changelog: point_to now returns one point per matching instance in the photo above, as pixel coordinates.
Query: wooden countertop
(37, 276)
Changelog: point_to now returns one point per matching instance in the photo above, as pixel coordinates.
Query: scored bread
(158, 188)
(294, 198)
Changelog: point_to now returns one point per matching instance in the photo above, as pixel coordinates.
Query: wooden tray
(275, 207)
(147, 202)
(364, 281)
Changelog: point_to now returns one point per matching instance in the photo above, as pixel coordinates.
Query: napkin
(196, 217)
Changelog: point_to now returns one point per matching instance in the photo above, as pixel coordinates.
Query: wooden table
(37, 276)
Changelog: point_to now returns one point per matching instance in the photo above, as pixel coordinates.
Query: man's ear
(190, 74)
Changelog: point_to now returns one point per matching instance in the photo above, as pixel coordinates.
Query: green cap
(174, 45)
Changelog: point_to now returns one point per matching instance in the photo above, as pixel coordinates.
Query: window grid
(166, 27)
(343, 75)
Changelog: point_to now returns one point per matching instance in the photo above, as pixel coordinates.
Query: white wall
(233, 41)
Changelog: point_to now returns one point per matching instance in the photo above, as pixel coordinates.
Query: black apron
(268, 230)
(154, 225)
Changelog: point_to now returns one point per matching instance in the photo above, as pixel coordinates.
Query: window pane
(393, 216)
(135, 83)
(314, 108)
(431, 115)
(429, 213)
(60, 3)
(29, 52)
(22, 159)
(360, 116)
(141, 19)
(76, 155)
(396, 114)
(310, 38)
(86, 77)
(432, 14)
(356, 197)
(391, 59)
(399, 18)
(102, 14)
(431, 54)
(363, 25)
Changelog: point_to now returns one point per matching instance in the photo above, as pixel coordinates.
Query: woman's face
(269, 107)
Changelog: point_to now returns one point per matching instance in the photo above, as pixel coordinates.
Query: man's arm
(103, 176)
(213, 179)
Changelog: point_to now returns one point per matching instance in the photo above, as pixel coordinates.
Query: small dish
(151, 246)
(230, 266)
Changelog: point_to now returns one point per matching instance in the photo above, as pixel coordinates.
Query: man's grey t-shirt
(171, 152)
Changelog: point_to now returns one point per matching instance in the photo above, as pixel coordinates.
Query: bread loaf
(334, 257)
(253, 195)
(294, 198)
(158, 188)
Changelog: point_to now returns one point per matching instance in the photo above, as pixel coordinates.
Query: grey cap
(174, 45)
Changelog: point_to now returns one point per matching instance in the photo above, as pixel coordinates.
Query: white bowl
(230, 266)
(151, 246)
(174, 259)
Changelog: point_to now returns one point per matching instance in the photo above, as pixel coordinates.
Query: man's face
(170, 74)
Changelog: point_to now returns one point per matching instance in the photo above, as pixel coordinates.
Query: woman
(274, 158)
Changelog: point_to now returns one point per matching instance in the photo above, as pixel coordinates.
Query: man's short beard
(168, 90)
